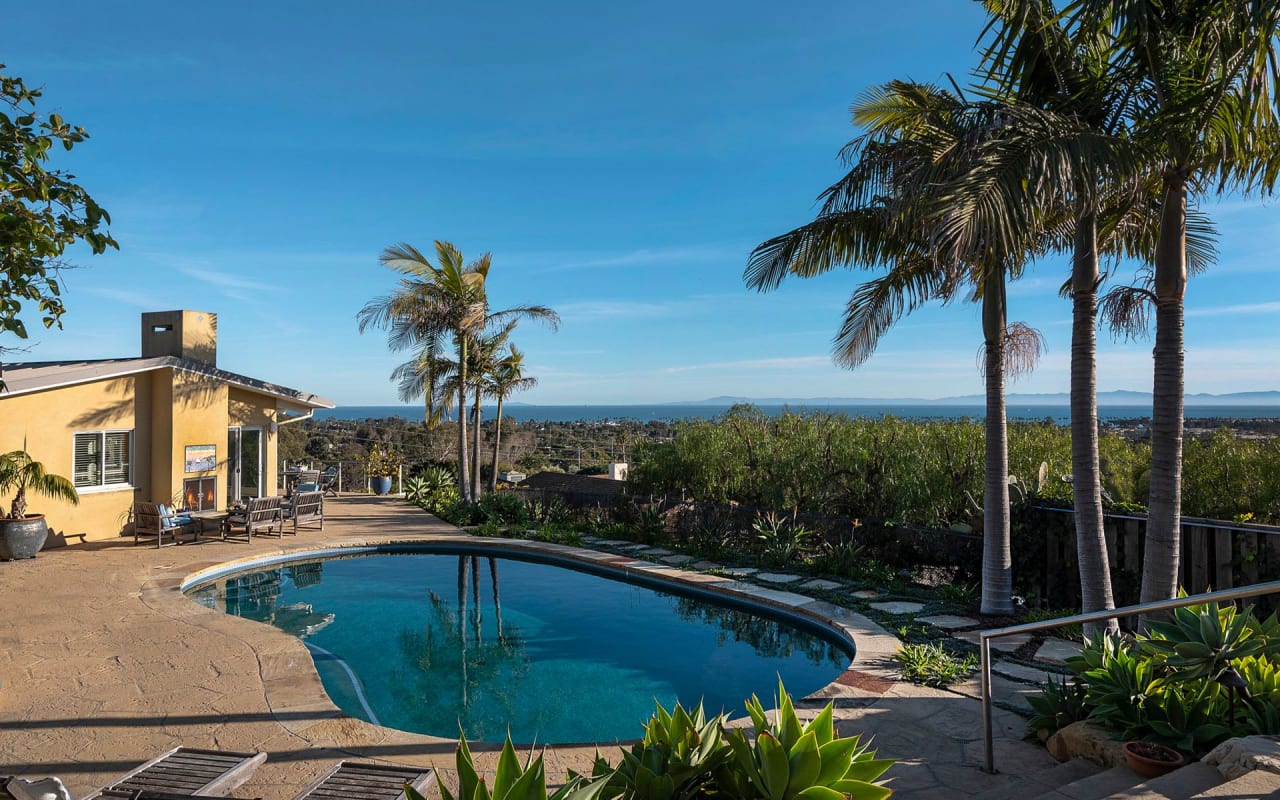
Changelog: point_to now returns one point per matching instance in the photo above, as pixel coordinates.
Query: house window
(102, 458)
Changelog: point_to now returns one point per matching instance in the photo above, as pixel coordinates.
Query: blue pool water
(425, 643)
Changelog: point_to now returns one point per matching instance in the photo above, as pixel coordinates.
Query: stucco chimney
(185, 334)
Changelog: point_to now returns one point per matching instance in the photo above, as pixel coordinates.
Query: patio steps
(1082, 780)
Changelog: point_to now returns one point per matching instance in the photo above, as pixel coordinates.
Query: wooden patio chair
(350, 779)
(261, 515)
(150, 519)
(307, 508)
(185, 772)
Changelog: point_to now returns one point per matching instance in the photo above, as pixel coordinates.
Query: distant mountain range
(1116, 398)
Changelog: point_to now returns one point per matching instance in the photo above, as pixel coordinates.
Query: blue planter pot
(22, 538)
(382, 485)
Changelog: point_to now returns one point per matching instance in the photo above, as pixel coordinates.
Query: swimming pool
(432, 643)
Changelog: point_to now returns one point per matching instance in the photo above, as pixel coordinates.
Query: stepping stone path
(819, 583)
(657, 551)
(1005, 644)
(633, 547)
(610, 542)
(1021, 672)
(742, 570)
(677, 560)
(776, 577)
(866, 594)
(708, 565)
(1057, 651)
(948, 622)
(898, 607)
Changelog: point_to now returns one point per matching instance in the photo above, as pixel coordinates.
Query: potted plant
(1151, 760)
(379, 465)
(22, 534)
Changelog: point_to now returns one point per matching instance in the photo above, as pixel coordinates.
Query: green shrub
(930, 664)
(505, 508)
(1060, 703)
(686, 756)
(1207, 674)
(780, 540)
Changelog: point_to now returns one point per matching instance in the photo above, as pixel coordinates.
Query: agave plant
(679, 758)
(788, 760)
(511, 781)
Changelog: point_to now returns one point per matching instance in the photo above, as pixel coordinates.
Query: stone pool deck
(104, 664)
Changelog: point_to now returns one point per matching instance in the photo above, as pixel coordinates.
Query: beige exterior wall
(165, 409)
(48, 421)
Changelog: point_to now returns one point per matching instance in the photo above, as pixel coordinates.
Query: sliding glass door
(244, 463)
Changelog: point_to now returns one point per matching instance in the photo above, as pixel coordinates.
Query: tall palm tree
(507, 378)
(1209, 81)
(1034, 58)
(894, 207)
(446, 299)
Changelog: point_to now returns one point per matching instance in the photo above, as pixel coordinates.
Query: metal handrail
(984, 641)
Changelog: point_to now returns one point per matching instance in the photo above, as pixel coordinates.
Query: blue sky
(619, 161)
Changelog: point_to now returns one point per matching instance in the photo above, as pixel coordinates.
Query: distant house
(168, 427)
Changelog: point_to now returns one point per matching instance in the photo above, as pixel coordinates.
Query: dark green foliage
(1206, 675)
(42, 211)
(932, 664)
(1059, 704)
(897, 471)
(504, 508)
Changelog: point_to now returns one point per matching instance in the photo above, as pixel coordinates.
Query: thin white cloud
(608, 309)
(796, 362)
(227, 281)
(137, 299)
(1270, 307)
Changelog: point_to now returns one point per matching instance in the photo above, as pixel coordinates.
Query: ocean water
(429, 643)
(1060, 414)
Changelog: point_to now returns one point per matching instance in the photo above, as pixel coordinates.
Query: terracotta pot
(1148, 767)
(22, 538)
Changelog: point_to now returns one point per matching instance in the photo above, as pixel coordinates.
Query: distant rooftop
(36, 376)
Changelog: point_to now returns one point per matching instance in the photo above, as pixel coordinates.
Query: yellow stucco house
(166, 427)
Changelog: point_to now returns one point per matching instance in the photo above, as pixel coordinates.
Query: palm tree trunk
(1164, 504)
(997, 563)
(464, 483)
(497, 444)
(1086, 480)
(475, 477)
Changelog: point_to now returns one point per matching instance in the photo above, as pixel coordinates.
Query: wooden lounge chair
(150, 520)
(329, 481)
(307, 508)
(185, 772)
(349, 779)
(262, 515)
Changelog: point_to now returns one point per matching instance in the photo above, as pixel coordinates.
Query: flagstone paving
(776, 577)
(898, 607)
(104, 664)
(677, 560)
(949, 622)
(1004, 644)
(821, 585)
(1057, 651)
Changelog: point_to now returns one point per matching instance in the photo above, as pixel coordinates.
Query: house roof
(36, 376)
(564, 482)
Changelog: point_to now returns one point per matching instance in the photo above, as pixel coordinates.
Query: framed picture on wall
(200, 458)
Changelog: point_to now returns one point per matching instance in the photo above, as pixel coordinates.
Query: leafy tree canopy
(42, 211)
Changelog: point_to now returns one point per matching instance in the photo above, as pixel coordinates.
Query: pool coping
(298, 701)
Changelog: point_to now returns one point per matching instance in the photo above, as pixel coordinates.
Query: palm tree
(896, 206)
(1034, 58)
(20, 473)
(444, 300)
(507, 378)
(1209, 83)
